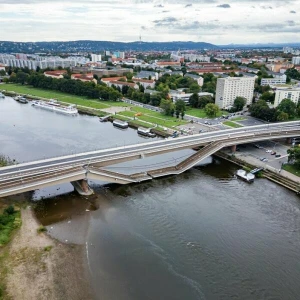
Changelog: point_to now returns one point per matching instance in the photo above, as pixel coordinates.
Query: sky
(214, 21)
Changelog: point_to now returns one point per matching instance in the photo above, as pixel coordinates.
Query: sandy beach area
(40, 267)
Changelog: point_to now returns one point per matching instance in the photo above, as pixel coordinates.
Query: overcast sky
(213, 21)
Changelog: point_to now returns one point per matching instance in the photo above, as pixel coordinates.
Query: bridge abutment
(82, 187)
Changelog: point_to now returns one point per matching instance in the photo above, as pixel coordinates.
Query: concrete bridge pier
(82, 187)
(233, 148)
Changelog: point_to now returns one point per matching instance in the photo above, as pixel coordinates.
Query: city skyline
(216, 22)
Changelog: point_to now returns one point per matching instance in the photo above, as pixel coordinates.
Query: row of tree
(286, 110)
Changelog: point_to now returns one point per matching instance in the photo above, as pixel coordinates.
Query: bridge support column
(233, 148)
(289, 140)
(82, 187)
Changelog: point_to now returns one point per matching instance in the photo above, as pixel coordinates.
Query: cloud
(189, 5)
(224, 6)
(291, 23)
(159, 5)
(266, 7)
(292, 12)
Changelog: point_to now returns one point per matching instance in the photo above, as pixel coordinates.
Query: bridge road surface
(173, 144)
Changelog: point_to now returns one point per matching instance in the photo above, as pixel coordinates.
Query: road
(157, 147)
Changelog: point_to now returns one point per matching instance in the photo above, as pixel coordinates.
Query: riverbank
(116, 109)
(37, 267)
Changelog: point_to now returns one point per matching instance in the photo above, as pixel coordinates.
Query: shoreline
(40, 267)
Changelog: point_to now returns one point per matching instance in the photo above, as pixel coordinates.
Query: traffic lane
(249, 121)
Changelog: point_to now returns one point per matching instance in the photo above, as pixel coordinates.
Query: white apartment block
(231, 87)
(296, 60)
(287, 93)
(194, 57)
(96, 57)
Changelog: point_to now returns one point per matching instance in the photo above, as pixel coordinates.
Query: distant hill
(260, 45)
(94, 46)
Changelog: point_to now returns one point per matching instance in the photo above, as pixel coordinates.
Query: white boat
(120, 124)
(55, 106)
(2, 96)
(145, 132)
(21, 99)
(249, 177)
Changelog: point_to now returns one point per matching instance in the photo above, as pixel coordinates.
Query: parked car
(268, 151)
(277, 155)
(273, 153)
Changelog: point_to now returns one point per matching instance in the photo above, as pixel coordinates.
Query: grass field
(200, 113)
(64, 97)
(153, 117)
(232, 124)
(292, 169)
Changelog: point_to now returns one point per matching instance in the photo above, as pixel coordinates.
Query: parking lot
(255, 153)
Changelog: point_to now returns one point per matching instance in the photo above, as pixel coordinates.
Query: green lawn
(200, 113)
(153, 117)
(232, 124)
(238, 119)
(64, 97)
(292, 169)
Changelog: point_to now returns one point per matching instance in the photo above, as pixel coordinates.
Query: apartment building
(278, 78)
(96, 57)
(231, 87)
(292, 93)
(296, 60)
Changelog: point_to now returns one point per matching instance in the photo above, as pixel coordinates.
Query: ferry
(55, 106)
(249, 177)
(120, 124)
(145, 131)
(2, 96)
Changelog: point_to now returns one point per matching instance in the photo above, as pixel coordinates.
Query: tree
(239, 103)
(203, 100)
(261, 110)
(268, 96)
(287, 106)
(211, 110)
(167, 106)
(193, 100)
(180, 108)
(282, 116)
(294, 156)
(21, 77)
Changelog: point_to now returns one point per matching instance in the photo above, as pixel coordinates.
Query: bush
(41, 229)
(10, 210)
(47, 248)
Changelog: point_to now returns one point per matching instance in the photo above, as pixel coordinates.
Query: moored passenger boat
(249, 177)
(120, 124)
(145, 131)
(55, 106)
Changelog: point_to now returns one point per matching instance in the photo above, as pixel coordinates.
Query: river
(200, 235)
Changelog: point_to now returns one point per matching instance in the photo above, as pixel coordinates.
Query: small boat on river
(120, 124)
(145, 131)
(2, 96)
(21, 99)
(242, 174)
(53, 105)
